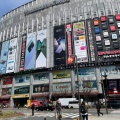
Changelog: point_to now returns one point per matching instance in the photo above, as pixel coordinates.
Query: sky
(8, 5)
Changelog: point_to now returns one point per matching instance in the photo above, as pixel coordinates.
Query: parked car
(49, 106)
(113, 104)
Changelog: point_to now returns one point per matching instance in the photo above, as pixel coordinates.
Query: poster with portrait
(7, 80)
(23, 48)
(22, 79)
(21, 90)
(11, 55)
(80, 41)
(6, 91)
(4, 56)
(30, 51)
(40, 88)
(59, 45)
(41, 49)
(41, 77)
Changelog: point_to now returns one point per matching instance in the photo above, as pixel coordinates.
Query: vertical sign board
(4, 55)
(30, 51)
(23, 47)
(80, 41)
(59, 45)
(41, 49)
(11, 55)
(69, 43)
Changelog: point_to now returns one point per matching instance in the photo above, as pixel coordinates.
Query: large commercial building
(39, 44)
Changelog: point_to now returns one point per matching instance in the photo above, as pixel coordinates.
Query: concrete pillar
(12, 93)
(50, 84)
(72, 74)
(31, 86)
(98, 78)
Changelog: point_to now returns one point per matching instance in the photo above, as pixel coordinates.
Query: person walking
(18, 105)
(84, 111)
(33, 108)
(98, 107)
(58, 109)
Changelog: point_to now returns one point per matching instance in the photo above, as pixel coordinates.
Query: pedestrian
(98, 107)
(33, 108)
(84, 111)
(18, 105)
(58, 109)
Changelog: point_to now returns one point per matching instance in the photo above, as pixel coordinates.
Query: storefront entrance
(21, 101)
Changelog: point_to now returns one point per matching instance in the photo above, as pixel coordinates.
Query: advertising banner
(22, 79)
(40, 88)
(59, 45)
(41, 76)
(80, 41)
(41, 50)
(30, 51)
(61, 74)
(112, 84)
(6, 91)
(23, 47)
(70, 60)
(11, 55)
(7, 80)
(61, 87)
(4, 56)
(21, 90)
(112, 72)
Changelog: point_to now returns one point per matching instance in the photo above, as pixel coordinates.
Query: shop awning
(62, 94)
(5, 97)
(40, 95)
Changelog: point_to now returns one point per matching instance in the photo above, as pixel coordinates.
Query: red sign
(7, 80)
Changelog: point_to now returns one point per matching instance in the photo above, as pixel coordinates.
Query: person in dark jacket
(33, 108)
(84, 111)
(98, 107)
(58, 109)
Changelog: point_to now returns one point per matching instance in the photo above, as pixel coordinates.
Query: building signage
(62, 87)
(46, 5)
(20, 96)
(61, 74)
(7, 80)
(6, 91)
(22, 90)
(41, 76)
(40, 88)
(22, 79)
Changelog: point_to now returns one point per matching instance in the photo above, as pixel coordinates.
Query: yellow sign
(28, 103)
(20, 96)
(61, 74)
(82, 37)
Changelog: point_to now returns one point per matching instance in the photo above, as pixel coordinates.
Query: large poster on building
(22, 79)
(6, 91)
(62, 87)
(59, 45)
(11, 55)
(7, 80)
(23, 48)
(61, 74)
(41, 76)
(21, 90)
(80, 41)
(40, 88)
(41, 49)
(30, 51)
(70, 59)
(4, 56)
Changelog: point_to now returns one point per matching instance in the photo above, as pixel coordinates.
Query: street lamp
(78, 84)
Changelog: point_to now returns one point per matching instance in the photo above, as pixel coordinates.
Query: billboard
(70, 60)
(59, 45)
(23, 47)
(4, 56)
(30, 51)
(11, 55)
(80, 41)
(22, 79)
(41, 76)
(41, 49)
(21, 90)
(6, 91)
(7, 80)
(40, 88)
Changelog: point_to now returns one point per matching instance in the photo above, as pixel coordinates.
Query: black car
(113, 104)
(46, 107)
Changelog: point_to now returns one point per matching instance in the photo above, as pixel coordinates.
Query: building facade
(38, 39)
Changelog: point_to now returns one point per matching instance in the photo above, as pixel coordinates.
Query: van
(74, 104)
